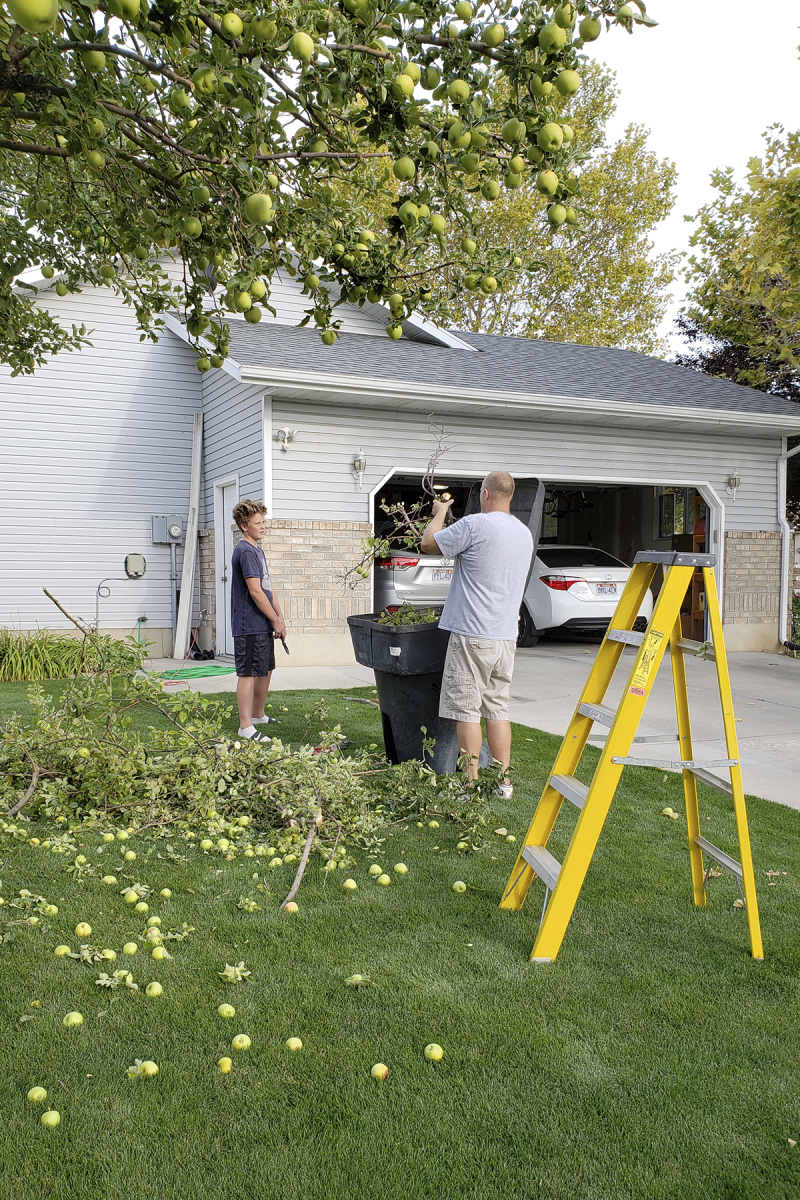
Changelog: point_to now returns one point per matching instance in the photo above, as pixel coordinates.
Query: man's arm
(440, 511)
(272, 611)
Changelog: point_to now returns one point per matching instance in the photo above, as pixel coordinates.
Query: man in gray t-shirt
(492, 551)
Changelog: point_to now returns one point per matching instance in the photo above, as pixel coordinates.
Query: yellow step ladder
(563, 882)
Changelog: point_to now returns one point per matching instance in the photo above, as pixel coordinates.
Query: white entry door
(226, 496)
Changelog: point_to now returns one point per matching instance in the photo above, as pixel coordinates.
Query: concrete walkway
(549, 677)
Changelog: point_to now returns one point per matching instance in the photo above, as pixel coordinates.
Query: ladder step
(713, 781)
(675, 558)
(543, 863)
(704, 650)
(719, 856)
(640, 738)
(685, 764)
(630, 637)
(600, 713)
(570, 788)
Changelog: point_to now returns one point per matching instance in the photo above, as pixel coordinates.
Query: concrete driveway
(766, 700)
(549, 677)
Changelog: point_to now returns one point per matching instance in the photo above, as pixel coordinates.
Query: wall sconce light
(284, 436)
(734, 481)
(359, 467)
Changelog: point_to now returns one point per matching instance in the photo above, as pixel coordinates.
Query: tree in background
(596, 281)
(223, 133)
(742, 319)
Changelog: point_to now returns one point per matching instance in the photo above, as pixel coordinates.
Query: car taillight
(559, 583)
(396, 564)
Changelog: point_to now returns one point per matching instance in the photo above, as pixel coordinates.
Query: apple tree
(222, 135)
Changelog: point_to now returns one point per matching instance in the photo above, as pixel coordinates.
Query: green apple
(404, 168)
(293, 1043)
(552, 38)
(459, 886)
(433, 824)
(462, 846)
(241, 1042)
(206, 844)
(291, 907)
(226, 1010)
(624, 12)
(568, 82)
(130, 948)
(459, 136)
(93, 60)
(158, 953)
(153, 921)
(51, 1118)
(301, 47)
(329, 337)
(569, 133)
(512, 181)
(148, 1069)
(131, 898)
(257, 289)
(458, 91)
(225, 1065)
(550, 137)
(590, 29)
(253, 315)
(463, 10)
(438, 223)
(122, 835)
(263, 29)
(61, 951)
(516, 164)
(413, 72)
(431, 77)
(375, 870)
(350, 885)
(571, 217)
(384, 880)
(153, 989)
(96, 161)
(469, 163)
(37, 1095)
(83, 929)
(513, 131)
(564, 16)
(34, 15)
(400, 868)
(129, 855)
(232, 25)
(109, 879)
(192, 228)
(258, 209)
(433, 1052)
(402, 86)
(380, 1071)
(469, 246)
(142, 907)
(490, 189)
(547, 182)
(511, 839)
(72, 1020)
(494, 35)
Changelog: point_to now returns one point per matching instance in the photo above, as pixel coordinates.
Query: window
(675, 511)
(577, 556)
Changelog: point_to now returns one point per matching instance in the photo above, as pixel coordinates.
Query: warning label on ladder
(650, 655)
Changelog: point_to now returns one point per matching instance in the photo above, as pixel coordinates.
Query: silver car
(574, 588)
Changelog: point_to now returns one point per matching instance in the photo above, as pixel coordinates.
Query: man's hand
(441, 506)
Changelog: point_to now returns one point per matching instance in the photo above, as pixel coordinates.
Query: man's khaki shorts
(477, 677)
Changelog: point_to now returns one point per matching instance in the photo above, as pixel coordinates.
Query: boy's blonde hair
(245, 510)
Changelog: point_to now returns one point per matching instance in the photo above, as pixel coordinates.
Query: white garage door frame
(715, 519)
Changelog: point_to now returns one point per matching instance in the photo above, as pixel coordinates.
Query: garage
(587, 530)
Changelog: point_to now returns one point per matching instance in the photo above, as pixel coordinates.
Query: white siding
(232, 437)
(90, 447)
(315, 480)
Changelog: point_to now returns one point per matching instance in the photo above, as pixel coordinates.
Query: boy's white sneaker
(504, 790)
(252, 735)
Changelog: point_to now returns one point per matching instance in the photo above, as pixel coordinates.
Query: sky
(707, 83)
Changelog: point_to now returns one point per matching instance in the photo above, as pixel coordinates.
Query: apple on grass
(293, 1043)
(37, 1095)
(291, 907)
(241, 1042)
(433, 1052)
(83, 929)
(226, 1010)
(51, 1118)
(459, 886)
(130, 948)
(153, 989)
(350, 885)
(379, 1071)
(72, 1020)
(148, 1068)
(225, 1065)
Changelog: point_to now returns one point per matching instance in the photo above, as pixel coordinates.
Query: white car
(574, 588)
(571, 587)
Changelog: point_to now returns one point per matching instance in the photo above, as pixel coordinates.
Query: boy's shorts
(254, 654)
(477, 678)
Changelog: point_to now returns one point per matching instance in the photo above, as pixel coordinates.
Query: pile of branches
(82, 763)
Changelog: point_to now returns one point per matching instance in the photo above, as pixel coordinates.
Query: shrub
(28, 657)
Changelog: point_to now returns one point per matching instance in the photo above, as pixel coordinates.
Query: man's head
(249, 516)
(496, 492)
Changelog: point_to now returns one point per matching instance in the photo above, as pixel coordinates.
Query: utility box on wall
(167, 531)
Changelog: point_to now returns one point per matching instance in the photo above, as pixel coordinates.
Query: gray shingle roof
(509, 364)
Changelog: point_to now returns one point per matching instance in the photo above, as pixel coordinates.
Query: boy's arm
(261, 600)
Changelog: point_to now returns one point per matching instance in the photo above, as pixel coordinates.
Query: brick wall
(305, 560)
(752, 578)
(207, 638)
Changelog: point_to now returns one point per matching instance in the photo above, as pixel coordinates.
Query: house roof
(514, 373)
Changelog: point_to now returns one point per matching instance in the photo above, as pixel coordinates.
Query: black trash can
(408, 661)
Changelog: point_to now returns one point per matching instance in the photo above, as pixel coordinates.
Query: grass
(653, 1059)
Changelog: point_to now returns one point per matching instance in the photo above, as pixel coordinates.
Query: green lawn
(653, 1059)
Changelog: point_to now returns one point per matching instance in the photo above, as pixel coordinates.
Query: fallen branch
(77, 624)
(312, 833)
(360, 700)
(12, 812)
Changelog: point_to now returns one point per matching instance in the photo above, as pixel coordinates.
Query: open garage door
(610, 521)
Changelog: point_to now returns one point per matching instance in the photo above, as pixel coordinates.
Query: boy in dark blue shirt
(256, 618)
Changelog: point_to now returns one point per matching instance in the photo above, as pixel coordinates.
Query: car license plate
(441, 574)
(606, 589)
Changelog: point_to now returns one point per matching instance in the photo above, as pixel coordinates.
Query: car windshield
(577, 556)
